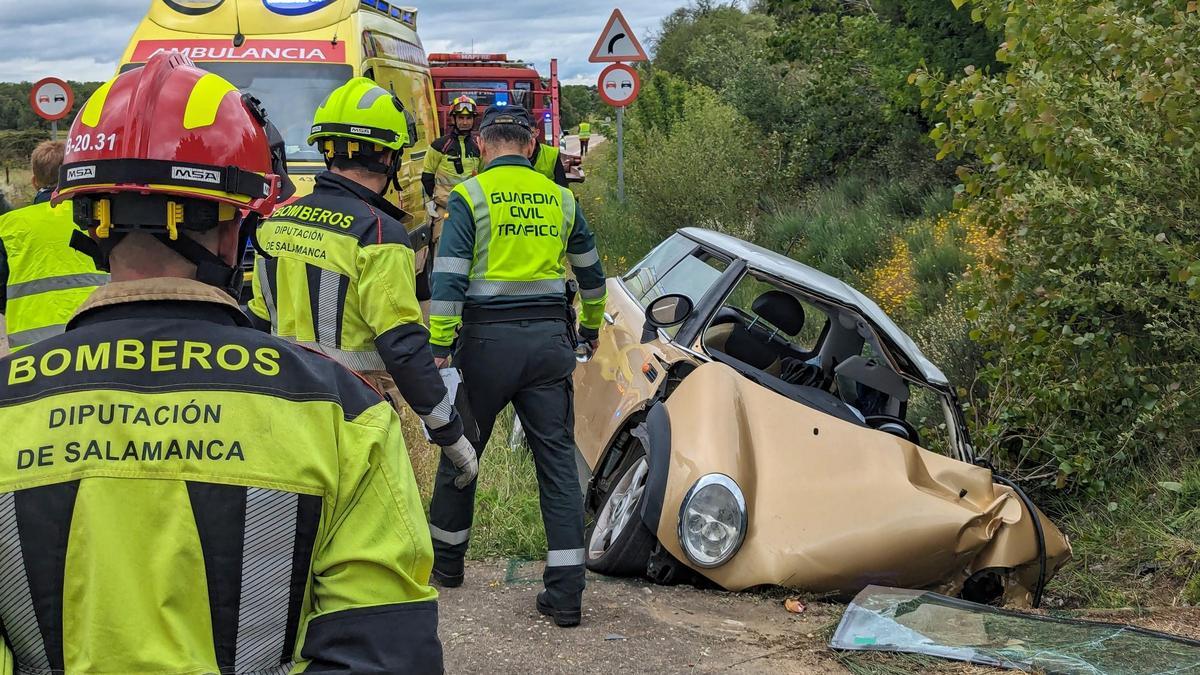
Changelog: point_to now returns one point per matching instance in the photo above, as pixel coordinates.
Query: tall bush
(1083, 156)
(706, 168)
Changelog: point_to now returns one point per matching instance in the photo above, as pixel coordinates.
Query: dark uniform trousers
(529, 364)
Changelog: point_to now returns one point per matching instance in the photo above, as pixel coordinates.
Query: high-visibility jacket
(503, 245)
(585, 130)
(449, 161)
(341, 280)
(546, 161)
(185, 494)
(47, 280)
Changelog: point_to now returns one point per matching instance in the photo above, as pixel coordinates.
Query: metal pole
(621, 154)
(54, 130)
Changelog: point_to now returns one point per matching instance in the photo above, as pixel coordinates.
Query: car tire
(618, 542)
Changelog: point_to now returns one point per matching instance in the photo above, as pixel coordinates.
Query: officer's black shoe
(563, 618)
(445, 580)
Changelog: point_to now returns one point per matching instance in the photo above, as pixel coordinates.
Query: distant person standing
(585, 135)
(42, 279)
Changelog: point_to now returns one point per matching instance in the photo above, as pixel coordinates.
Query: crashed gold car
(753, 421)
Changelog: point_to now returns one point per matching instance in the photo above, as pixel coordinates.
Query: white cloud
(84, 39)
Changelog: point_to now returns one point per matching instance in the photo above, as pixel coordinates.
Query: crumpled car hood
(835, 507)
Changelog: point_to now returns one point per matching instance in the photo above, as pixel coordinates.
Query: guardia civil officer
(42, 279)
(499, 276)
(547, 160)
(337, 273)
(182, 493)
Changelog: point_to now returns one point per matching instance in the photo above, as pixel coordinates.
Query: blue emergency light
(295, 7)
(501, 99)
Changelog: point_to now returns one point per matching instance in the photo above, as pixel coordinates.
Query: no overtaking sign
(51, 98)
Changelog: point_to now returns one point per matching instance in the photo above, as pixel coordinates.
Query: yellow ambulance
(291, 53)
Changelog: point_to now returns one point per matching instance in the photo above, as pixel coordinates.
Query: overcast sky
(82, 39)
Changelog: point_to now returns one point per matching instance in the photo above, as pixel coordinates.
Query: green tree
(1083, 156)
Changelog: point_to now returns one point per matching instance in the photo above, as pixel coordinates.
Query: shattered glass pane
(919, 622)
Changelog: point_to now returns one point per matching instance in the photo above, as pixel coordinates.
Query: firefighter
(499, 276)
(188, 494)
(337, 272)
(42, 279)
(450, 160)
(585, 137)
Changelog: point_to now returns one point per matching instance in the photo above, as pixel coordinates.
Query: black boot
(451, 576)
(563, 618)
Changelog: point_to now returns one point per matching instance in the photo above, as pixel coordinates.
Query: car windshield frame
(705, 312)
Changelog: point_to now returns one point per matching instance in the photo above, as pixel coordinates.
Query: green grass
(1141, 547)
(845, 229)
(16, 186)
(508, 519)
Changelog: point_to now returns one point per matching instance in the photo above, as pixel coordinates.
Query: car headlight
(712, 520)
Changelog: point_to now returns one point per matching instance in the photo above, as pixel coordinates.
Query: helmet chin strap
(211, 269)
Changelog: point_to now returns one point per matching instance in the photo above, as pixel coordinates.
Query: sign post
(52, 100)
(619, 83)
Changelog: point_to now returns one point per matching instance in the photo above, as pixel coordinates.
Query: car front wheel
(618, 542)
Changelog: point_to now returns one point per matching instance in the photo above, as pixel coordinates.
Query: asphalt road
(573, 143)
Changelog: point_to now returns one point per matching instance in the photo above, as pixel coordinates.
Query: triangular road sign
(618, 43)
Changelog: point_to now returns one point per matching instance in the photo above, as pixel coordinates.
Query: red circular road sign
(619, 85)
(51, 98)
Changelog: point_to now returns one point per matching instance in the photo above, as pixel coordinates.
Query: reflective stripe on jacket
(47, 279)
(189, 495)
(451, 159)
(341, 280)
(503, 245)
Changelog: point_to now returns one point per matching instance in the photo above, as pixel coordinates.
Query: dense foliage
(1083, 156)
(17, 114)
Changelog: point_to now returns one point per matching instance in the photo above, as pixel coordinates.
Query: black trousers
(528, 364)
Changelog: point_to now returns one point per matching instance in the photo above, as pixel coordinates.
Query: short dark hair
(506, 134)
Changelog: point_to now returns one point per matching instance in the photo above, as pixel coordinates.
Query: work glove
(431, 208)
(462, 456)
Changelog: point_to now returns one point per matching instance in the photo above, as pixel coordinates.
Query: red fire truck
(493, 79)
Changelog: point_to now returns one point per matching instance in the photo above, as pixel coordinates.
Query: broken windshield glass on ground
(919, 622)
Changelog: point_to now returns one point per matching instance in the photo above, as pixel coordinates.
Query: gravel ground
(491, 625)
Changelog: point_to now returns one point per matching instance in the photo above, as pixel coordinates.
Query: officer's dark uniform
(181, 493)
(499, 274)
(340, 280)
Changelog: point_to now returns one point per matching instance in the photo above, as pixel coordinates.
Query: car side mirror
(665, 312)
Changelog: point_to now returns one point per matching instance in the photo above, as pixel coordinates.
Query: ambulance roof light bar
(406, 15)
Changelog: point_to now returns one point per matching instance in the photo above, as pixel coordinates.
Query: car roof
(795, 272)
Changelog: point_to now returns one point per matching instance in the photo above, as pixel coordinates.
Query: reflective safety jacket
(503, 246)
(546, 161)
(47, 280)
(450, 160)
(184, 494)
(341, 280)
(585, 131)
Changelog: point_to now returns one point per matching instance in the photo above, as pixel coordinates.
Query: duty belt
(511, 314)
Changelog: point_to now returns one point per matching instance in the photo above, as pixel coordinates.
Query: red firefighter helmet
(169, 147)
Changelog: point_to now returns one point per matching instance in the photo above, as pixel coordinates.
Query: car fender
(655, 436)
